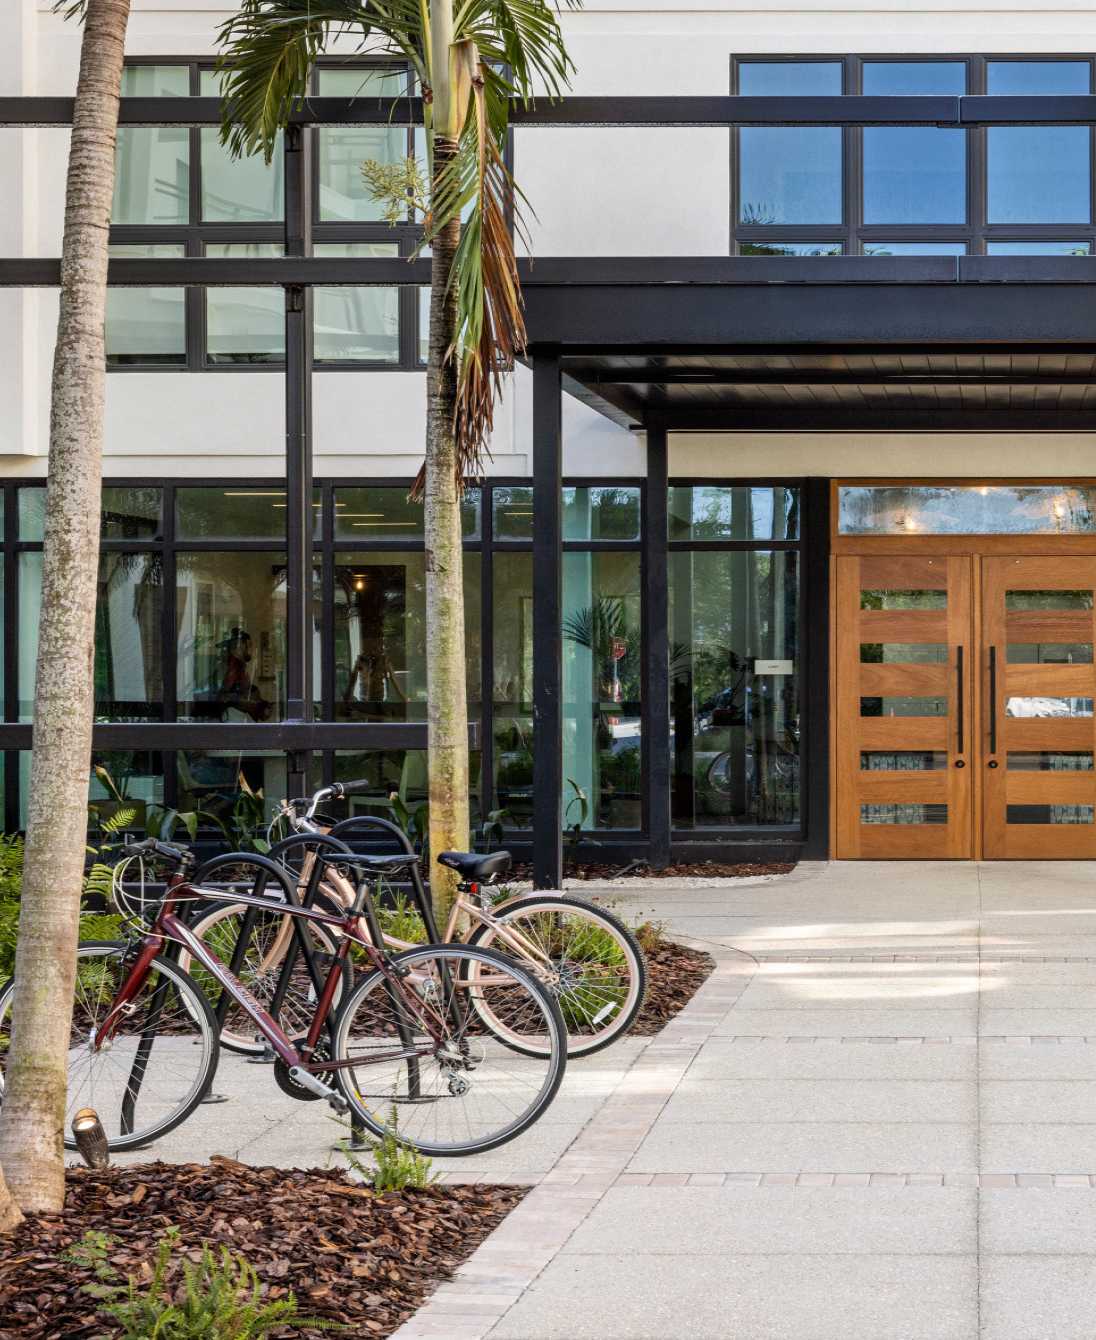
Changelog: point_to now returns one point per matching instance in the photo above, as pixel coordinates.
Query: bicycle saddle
(475, 868)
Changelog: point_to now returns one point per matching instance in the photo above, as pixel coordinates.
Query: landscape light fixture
(91, 1139)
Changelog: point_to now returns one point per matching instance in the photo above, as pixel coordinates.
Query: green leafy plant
(413, 821)
(493, 828)
(395, 1166)
(219, 1297)
(573, 827)
(402, 921)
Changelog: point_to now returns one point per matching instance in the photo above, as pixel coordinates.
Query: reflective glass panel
(1049, 653)
(137, 775)
(512, 509)
(512, 690)
(146, 325)
(914, 77)
(152, 163)
(1038, 174)
(131, 513)
(602, 678)
(1049, 814)
(32, 512)
(230, 514)
(230, 612)
(903, 814)
(610, 513)
(903, 706)
(1048, 600)
(903, 760)
(718, 512)
(1049, 761)
(424, 324)
(735, 725)
(1037, 76)
(378, 625)
(966, 509)
(245, 325)
(356, 325)
(1037, 248)
(1048, 706)
(382, 513)
(903, 653)
(238, 190)
(903, 600)
(210, 781)
(791, 248)
(915, 248)
(343, 149)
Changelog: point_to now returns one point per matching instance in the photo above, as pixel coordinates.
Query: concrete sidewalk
(876, 1120)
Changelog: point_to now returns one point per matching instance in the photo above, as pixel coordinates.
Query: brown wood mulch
(683, 870)
(348, 1255)
(674, 975)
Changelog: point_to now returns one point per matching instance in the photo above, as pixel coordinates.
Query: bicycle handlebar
(154, 847)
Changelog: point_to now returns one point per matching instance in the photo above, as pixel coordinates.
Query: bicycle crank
(304, 1086)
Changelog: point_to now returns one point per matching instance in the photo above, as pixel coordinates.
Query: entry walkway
(876, 1121)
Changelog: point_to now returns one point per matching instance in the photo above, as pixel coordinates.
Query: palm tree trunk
(31, 1124)
(446, 686)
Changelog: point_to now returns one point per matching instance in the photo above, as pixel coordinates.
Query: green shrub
(395, 1165)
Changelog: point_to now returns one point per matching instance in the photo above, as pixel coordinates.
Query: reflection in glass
(1048, 707)
(915, 248)
(138, 775)
(903, 653)
(146, 325)
(1079, 760)
(1049, 814)
(902, 760)
(736, 733)
(385, 513)
(342, 150)
(512, 512)
(230, 514)
(718, 512)
(512, 689)
(903, 706)
(210, 781)
(1037, 248)
(245, 325)
(152, 164)
(1049, 653)
(238, 190)
(378, 626)
(903, 600)
(608, 513)
(791, 248)
(1047, 600)
(230, 614)
(1038, 174)
(903, 814)
(359, 325)
(966, 509)
(131, 513)
(602, 689)
(1037, 76)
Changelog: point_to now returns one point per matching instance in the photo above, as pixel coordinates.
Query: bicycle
(586, 957)
(405, 1055)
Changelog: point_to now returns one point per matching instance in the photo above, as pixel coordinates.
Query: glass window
(737, 512)
(146, 325)
(903, 600)
(1037, 76)
(967, 509)
(735, 687)
(899, 653)
(131, 513)
(385, 513)
(1049, 653)
(903, 814)
(378, 625)
(512, 510)
(230, 653)
(238, 190)
(789, 175)
(1049, 814)
(210, 781)
(1048, 706)
(359, 325)
(790, 248)
(1037, 248)
(152, 181)
(245, 325)
(424, 324)
(903, 706)
(602, 675)
(512, 689)
(1079, 760)
(32, 512)
(137, 775)
(915, 248)
(230, 514)
(914, 174)
(903, 760)
(601, 513)
(342, 150)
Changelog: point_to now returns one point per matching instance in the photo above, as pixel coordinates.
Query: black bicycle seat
(392, 861)
(475, 868)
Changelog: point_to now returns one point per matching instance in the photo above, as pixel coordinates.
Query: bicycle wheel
(585, 957)
(261, 971)
(428, 1071)
(160, 1061)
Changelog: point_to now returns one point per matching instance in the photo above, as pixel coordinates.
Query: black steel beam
(233, 735)
(760, 419)
(673, 110)
(656, 690)
(656, 376)
(547, 621)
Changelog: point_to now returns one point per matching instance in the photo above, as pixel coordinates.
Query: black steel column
(298, 449)
(656, 609)
(815, 640)
(547, 621)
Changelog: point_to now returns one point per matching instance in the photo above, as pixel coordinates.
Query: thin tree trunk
(446, 686)
(31, 1124)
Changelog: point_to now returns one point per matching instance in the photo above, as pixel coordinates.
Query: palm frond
(524, 37)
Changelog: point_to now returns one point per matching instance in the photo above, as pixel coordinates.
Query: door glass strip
(1049, 814)
(1045, 707)
(903, 814)
(1048, 653)
(904, 707)
(903, 600)
(902, 760)
(903, 653)
(1048, 600)
(1049, 761)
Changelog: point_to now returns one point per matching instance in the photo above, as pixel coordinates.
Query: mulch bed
(640, 870)
(348, 1255)
(674, 975)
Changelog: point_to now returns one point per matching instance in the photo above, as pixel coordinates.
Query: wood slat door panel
(1038, 740)
(899, 793)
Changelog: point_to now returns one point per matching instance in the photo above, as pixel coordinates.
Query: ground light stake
(91, 1139)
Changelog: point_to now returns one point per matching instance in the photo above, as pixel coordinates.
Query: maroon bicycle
(405, 1053)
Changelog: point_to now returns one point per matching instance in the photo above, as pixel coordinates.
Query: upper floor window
(912, 190)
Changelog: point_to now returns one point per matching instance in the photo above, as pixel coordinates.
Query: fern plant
(395, 1166)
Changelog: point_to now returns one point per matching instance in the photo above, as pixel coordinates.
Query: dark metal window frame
(853, 234)
(197, 234)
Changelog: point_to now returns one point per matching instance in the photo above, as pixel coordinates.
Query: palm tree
(470, 59)
(32, 1120)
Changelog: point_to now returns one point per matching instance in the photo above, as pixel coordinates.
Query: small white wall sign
(774, 667)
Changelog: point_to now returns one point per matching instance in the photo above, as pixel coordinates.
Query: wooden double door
(964, 707)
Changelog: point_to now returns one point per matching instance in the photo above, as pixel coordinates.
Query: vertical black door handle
(993, 700)
(960, 721)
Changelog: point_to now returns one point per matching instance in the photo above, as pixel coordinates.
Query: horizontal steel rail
(966, 110)
(228, 736)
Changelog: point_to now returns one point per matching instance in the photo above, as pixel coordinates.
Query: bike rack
(418, 884)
